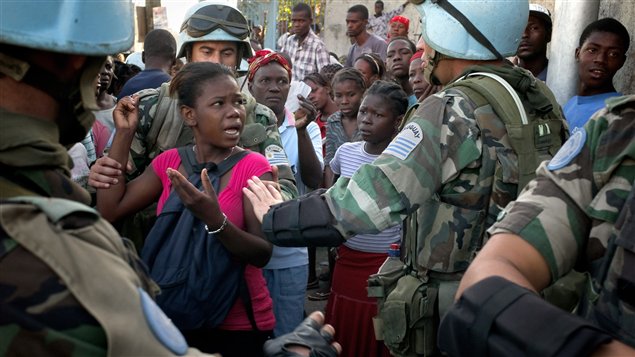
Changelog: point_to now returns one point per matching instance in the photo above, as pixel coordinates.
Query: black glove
(307, 334)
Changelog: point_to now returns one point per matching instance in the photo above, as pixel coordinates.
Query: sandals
(319, 295)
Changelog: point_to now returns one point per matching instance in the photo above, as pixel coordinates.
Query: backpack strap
(533, 139)
(215, 171)
(501, 104)
(188, 158)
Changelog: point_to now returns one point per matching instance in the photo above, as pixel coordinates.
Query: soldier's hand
(203, 205)
(126, 113)
(306, 114)
(310, 338)
(104, 173)
(262, 196)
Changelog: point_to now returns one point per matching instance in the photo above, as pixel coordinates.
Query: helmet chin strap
(430, 64)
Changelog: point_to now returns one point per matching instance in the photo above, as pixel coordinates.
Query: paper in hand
(297, 88)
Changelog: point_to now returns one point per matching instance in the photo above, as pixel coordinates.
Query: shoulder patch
(275, 155)
(569, 150)
(405, 142)
(161, 326)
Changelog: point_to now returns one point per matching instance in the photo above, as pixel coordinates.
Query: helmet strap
(431, 63)
(469, 26)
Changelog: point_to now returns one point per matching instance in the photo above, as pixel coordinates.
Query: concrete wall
(624, 12)
(335, 21)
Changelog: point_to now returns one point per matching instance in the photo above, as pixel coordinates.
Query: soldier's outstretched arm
(427, 153)
(500, 311)
(537, 240)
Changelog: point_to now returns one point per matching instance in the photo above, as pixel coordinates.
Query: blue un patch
(161, 325)
(569, 150)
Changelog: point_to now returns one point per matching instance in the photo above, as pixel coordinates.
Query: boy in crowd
(601, 53)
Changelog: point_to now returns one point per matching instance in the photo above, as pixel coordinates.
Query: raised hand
(203, 205)
(306, 114)
(126, 113)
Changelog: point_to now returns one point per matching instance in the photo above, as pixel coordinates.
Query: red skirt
(349, 309)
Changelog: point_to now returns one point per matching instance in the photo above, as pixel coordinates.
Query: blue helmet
(475, 30)
(92, 28)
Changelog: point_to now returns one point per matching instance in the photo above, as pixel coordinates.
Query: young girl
(341, 127)
(322, 98)
(348, 89)
(349, 309)
(211, 104)
(371, 66)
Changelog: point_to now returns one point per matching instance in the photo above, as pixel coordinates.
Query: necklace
(230, 152)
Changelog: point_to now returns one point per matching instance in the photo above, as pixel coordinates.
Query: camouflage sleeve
(271, 147)
(439, 142)
(569, 209)
(139, 150)
(38, 314)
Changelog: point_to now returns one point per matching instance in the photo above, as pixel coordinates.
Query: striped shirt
(306, 57)
(348, 158)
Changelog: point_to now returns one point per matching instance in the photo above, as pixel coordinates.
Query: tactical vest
(534, 136)
(412, 299)
(94, 264)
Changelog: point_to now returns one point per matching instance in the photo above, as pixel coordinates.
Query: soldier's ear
(188, 115)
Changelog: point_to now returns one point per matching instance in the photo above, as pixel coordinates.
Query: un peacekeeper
(216, 32)
(578, 212)
(449, 172)
(69, 285)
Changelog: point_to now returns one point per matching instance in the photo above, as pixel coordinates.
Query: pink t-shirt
(101, 135)
(231, 203)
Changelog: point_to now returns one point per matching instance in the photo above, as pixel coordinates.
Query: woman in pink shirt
(211, 104)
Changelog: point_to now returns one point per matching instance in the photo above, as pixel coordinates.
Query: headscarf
(417, 55)
(402, 19)
(264, 57)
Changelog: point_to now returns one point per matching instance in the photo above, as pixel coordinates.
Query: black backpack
(199, 278)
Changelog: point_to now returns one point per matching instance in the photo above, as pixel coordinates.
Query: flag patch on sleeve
(405, 142)
(275, 155)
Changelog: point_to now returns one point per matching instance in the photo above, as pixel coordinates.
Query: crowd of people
(452, 149)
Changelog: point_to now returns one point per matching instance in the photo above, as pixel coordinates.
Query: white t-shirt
(347, 160)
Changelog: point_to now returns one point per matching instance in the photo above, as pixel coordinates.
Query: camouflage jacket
(571, 212)
(161, 128)
(445, 170)
(69, 285)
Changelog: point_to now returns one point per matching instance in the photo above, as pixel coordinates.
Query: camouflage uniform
(576, 214)
(161, 128)
(448, 173)
(68, 285)
(455, 174)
